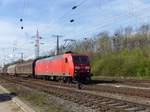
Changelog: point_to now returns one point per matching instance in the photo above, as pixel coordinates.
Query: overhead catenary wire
(103, 25)
(24, 8)
(74, 7)
(100, 28)
(23, 14)
(114, 18)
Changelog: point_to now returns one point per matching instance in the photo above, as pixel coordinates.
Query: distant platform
(9, 102)
(6, 103)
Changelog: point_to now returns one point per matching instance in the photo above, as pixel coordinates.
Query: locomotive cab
(81, 67)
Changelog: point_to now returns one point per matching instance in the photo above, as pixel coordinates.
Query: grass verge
(37, 100)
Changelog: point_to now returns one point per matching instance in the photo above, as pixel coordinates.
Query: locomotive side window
(80, 59)
(66, 60)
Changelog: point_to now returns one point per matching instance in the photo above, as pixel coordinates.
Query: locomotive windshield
(80, 59)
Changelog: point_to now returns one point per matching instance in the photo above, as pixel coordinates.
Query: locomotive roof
(57, 56)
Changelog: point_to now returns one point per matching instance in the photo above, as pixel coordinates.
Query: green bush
(133, 63)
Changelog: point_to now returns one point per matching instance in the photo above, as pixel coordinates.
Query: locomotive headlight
(77, 67)
(87, 67)
(88, 70)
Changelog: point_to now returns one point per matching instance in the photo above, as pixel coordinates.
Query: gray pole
(22, 56)
(57, 47)
(57, 44)
(37, 45)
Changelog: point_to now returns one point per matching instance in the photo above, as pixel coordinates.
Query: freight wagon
(11, 70)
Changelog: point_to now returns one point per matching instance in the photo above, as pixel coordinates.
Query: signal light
(87, 67)
(77, 67)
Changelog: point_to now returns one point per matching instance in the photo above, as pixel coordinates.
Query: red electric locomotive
(67, 67)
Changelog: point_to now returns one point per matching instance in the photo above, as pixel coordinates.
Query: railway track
(130, 82)
(101, 88)
(95, 102)
(145, 93)
(98, 88)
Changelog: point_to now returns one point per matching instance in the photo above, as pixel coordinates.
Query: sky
(53, 17)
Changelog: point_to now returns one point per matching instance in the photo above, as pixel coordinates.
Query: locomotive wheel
(70, 80)
(53, 78)
(87, 80)
(79, 85)
(65, 79)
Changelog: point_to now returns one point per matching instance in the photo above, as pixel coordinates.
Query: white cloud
(90, 18)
